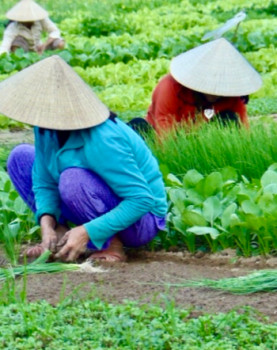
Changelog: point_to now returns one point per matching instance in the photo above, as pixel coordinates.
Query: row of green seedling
(220, 211)
(212, 147)
(16, 221)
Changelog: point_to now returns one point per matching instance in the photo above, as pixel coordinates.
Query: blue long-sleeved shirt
(119, 156)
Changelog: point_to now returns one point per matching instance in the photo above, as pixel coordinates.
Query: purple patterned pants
(84, 196)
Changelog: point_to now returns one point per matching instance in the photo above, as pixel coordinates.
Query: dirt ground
(135, 280)
(15, 136)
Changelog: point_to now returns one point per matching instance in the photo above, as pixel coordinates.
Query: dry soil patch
(136, 280)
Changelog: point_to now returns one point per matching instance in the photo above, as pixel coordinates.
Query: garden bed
(136, 279)
(140, 280)
(122, 57)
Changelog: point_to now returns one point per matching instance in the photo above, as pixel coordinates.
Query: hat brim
(26, 11)
(51, 95)
(216, 68)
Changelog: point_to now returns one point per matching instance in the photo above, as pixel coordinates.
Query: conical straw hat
(26, 11)
(51, 95)
(216, 68)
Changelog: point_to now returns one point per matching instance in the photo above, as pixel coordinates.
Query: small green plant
(16, 220)
(102, 325)
(11, 238)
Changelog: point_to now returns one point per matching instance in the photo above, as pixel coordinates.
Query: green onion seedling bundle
(40, 265)
(259, 281)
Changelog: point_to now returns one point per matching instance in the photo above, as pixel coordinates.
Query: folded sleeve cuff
(55, 213)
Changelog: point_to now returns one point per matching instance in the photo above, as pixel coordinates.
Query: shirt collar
(75, 140)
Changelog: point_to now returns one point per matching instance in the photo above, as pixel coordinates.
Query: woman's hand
(48, 232)
(73, 244)
(49, 239)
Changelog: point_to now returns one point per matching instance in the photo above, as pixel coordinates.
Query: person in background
(209, 82)
(87, 166)
(27, 23)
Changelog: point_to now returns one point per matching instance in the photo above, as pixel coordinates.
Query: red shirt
(174, 103)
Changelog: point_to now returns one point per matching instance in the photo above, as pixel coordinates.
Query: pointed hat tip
(54, 59)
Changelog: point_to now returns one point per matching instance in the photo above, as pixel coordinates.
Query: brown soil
(138, 280)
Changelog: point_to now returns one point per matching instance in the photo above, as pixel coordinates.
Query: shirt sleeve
(10, 34)
(51, 28)
(45, 188)
(117, 166)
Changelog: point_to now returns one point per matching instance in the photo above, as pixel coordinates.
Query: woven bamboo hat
(51, 95)
(26, 11)
(216, 68)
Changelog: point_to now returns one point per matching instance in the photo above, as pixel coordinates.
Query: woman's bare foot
(35, 251)
(114, 253)
(48, 243)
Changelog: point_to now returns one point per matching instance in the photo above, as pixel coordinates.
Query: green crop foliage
(212, 147)
(129, 326)
(222, 210)
(130, 37)
(16, 220)
(121, 48)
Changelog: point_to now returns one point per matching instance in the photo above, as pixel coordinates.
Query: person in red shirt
(209, 82)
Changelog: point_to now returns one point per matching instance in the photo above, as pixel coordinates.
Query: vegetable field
(122, 48)
(221, 185)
